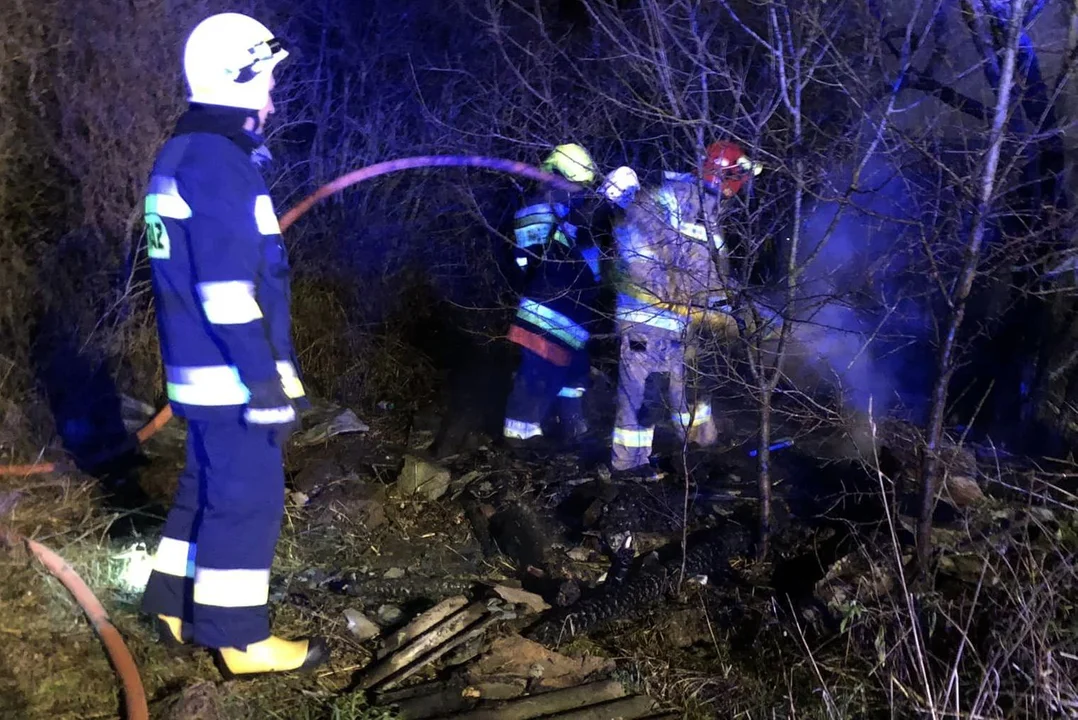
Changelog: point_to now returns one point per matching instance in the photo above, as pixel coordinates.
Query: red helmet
(726, 167)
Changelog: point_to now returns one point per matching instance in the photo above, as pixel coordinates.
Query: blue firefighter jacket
(561, 286)
(220, 272)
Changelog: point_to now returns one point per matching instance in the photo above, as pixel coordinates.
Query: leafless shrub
(896, 213)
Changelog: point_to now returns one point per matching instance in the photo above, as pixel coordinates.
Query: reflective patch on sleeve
(158, 244)
(290, 381)
(571, 392)
(164, 199)
(265, 217)
(231, 588)
(229, 303)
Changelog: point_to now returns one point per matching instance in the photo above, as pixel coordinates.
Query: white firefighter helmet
(229, 59)
(620, 186)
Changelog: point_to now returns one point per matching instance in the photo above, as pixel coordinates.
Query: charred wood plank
(548, 703)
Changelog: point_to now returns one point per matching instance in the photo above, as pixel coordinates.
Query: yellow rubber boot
(273, 655)
(170, 631)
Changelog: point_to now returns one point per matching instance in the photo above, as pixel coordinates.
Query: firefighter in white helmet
(221, 291)
(667, 245)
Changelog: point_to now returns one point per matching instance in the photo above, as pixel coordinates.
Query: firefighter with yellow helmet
(557, 307)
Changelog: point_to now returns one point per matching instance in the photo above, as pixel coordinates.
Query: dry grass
(52, 665)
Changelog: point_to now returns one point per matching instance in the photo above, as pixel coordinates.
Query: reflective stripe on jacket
(561, 288)
(219, 269)
(539, 223)
(666, 271)
(551, 322)
(633, 310)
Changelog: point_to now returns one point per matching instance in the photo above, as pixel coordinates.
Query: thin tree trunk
(960, 294)
(764, 474)
(1072, 35)
(705, 121)
(791, 94)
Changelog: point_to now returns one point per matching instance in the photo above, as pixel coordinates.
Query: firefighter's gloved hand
(270, 408)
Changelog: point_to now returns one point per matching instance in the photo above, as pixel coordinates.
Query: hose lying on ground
(357, 176)
(119, 655)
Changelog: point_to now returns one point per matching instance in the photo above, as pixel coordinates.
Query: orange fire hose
(134, 694)
(357, 176)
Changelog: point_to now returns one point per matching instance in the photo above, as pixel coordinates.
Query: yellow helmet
(573, 163)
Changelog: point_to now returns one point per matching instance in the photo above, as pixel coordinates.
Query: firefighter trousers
(542, 386)
(649, 353)
(212, 567)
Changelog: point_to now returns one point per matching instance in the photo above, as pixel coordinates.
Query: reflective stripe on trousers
(648, 351)
(231, 499)
(231, 588)
(630, 438)
(220, 588)
(175, 557)
(521, 430)
(541, 388)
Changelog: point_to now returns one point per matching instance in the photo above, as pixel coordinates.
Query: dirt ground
(749, 643)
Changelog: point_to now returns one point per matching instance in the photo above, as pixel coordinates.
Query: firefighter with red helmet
(668, 279)
(726, 168)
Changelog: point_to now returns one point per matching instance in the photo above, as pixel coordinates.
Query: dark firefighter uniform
(221, 288)
(551, 324)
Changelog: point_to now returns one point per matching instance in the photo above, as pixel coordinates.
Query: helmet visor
(263, 56)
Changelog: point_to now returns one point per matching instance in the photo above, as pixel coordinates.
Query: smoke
(857, 321)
